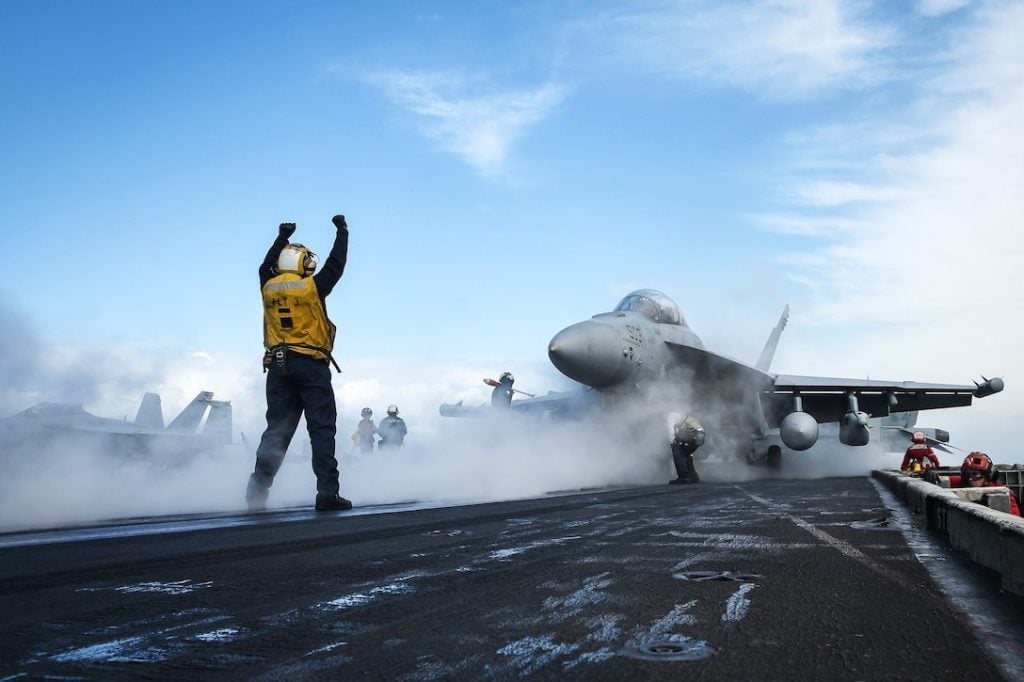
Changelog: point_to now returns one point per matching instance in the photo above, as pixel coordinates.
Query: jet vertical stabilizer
(188, 420)
(150, 415)
(765, 361)
(218, 423)
(901, 420)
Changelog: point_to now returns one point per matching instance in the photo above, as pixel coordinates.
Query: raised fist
(286, 229)
(339, 222)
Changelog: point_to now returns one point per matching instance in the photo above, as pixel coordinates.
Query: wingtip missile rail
(988, 386)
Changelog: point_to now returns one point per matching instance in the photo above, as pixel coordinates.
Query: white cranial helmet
(298, 259)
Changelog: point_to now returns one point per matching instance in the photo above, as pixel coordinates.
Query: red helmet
(918, 437)
(977, 461)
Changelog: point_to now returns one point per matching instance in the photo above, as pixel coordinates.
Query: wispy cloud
(951, 196)
(809, 226)
(828, 193)
(778, 49)
(926, 281)
(477, 121)
(935, 8)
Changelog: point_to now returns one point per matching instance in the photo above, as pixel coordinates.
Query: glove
(339, 222)
(286, 229)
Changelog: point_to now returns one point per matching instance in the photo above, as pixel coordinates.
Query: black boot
(256, 495)
(692, 476)
(682, 471)
(331, 502)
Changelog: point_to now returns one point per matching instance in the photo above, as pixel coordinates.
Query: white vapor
(68, 480)
(475, 121)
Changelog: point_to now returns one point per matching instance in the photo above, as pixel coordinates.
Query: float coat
(294, 316)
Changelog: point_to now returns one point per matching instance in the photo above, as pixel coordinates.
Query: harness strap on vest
(316, 348)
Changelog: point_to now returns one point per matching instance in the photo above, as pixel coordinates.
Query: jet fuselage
(645, 348)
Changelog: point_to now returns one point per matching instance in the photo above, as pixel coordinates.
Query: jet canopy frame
(652, 304)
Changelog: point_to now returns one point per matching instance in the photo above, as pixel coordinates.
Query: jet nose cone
(588, 352)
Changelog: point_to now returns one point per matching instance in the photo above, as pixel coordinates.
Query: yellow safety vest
(294, 316)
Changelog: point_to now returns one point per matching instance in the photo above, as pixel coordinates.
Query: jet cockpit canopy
(52, 410)
(653, 305)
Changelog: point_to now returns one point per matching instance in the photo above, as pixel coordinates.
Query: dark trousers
(304, 386)
(682, 457)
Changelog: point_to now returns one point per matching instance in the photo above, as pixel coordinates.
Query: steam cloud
(66, 481)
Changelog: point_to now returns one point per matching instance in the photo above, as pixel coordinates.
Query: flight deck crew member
(688, 435)
(392, 430)
(365, 432)
(299, 338)
(919, 456)
(501, 396)
(976, 471)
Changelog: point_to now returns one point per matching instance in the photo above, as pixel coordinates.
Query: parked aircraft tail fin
(903, 420)
(218, 422)
(150, 414)
(765, 361)
(188, 420)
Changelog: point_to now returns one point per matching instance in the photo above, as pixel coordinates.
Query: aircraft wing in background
(793, 402)
(896, 439)
(555, 404)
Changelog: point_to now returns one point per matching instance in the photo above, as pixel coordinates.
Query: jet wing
(825, 398)
(719, 369)
(555, 403)
(460, 410)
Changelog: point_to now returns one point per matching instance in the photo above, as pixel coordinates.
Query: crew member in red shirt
(919, 455)
(976, 472)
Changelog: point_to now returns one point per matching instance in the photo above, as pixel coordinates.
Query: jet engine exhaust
(590, 353)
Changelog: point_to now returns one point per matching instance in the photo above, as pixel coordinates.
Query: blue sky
(507, 169)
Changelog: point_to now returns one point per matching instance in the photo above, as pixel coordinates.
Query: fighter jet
(644, 350)
(72, 425)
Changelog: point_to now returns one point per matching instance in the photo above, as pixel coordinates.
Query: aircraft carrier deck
(797, 580)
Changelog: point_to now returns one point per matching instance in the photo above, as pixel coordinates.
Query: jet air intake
(590, 353)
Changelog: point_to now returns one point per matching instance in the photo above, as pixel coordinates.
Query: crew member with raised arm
(299, 338)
